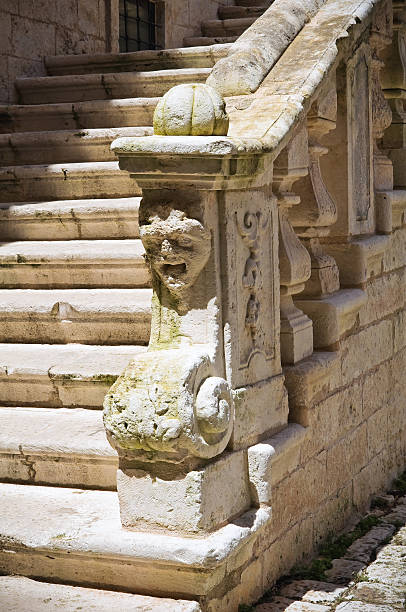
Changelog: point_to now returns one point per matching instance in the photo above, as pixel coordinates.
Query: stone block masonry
(32, 29)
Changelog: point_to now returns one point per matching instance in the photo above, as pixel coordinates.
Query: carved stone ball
(193, 109)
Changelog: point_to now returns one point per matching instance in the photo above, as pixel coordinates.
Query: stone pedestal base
(200, 501)
(296, 332)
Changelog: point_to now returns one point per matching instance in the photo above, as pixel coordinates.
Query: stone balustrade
(262, 242)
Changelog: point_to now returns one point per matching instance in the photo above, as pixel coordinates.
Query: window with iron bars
(138, 25)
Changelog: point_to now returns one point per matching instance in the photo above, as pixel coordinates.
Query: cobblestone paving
(354, 583)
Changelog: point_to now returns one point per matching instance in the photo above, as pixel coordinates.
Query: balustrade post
(210, 385)
(294, 260)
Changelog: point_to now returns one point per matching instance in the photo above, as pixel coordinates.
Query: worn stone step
(70, 219)
(226, 27)
(80, 87)
(73, 263)
(65, 182)
(238, 12)
(253, 2)
(64, 146)
(86, 316)
(75, 536)
(166, 59)
(132, 112)
(194, 41)
(65, 447)
(16, 591)
(60, 375)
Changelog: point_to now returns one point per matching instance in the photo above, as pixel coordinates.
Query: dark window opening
(138, 25)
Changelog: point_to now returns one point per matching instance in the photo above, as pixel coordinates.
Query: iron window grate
(138, 26)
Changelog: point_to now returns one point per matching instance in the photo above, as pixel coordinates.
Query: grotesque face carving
(177, 246)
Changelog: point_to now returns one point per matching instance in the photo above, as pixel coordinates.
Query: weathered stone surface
(313, 591)
(282, 604)
(344, 570)
(17, 591)
(363, 548)
(378, 594)
(358, 606)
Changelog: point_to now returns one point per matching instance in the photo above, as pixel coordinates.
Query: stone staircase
(74, 309)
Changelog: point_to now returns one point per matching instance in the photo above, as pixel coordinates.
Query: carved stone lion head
(177, 246)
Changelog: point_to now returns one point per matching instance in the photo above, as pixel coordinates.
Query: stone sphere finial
(193, 109)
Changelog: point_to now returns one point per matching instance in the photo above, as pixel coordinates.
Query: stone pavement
(369, 577)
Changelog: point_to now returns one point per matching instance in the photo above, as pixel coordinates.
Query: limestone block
(379, 594)
(313, 591)
(17, 591)
(365, 350)
(201, 500)
(5, 32)
(395, 255)
(346, 458)
(390, 210)
(358, 606)
(332, 516)
(333, 315)
(363, 548)
(391, 573)
(373, 478)
(270, 461)
(310, 381)
(256, 414)
(344, 570)
(299, 493)
(32, 39)
(332, 418)
(282, 604)
(377, 425)
(359, 259)
(399, 327)
(376, 390)
(385, 296)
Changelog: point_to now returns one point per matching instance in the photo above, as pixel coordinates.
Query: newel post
(183, 414)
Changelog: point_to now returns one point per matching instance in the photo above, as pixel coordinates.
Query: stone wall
(352, 404)
(31, 30)
(183, 18)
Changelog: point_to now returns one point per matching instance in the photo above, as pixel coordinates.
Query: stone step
(73, 264)
(75, 536)
(166, 59)
(64, 146)
(194, 41)
(65, 182)
(81, 115)
(86, 316)
(70, 375)
(80, 87)
(16, 591)
(238, 12)
(64, 446)
(253, 2)
(226, 27)
(70, 219)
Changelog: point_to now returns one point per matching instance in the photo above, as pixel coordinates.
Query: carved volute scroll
(294, 260)
(317, 212)
(172, 403)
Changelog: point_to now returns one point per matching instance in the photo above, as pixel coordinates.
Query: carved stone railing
(260, 243)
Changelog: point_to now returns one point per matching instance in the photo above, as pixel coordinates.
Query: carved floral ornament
(251, 230)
